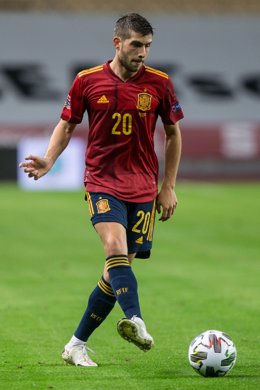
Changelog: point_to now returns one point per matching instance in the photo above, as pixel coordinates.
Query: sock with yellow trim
(124, 284)
(100, 304)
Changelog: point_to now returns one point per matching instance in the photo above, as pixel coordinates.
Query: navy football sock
(100, 304)
(124, 284)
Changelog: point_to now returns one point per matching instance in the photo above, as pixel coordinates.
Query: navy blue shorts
(137, 218)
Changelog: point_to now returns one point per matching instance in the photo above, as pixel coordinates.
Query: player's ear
(116, 42)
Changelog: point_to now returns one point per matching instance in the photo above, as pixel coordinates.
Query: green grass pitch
(203, 274)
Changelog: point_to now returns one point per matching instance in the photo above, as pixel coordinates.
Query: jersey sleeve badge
(68, 103)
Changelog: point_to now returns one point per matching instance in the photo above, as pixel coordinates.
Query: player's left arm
(167, 199)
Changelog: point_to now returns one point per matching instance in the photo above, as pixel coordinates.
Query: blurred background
(211, 49)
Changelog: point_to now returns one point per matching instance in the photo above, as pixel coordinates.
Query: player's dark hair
(132, 22)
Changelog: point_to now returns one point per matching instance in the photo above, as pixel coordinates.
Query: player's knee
(115, 245)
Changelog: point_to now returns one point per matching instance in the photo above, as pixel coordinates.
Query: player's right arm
(36, 166)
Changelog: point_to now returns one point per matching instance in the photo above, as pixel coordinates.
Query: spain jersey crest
(102, 206)
(144, 101)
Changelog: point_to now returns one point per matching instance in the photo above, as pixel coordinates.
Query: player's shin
(100, 304)
(124, 284)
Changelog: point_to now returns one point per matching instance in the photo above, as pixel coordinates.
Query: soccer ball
(212, 353)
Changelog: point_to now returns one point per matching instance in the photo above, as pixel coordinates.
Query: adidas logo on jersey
(103, 99)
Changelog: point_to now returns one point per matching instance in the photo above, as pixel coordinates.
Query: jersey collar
(109, 71)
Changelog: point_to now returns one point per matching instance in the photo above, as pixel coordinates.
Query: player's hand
(35, 166)
(166, 203)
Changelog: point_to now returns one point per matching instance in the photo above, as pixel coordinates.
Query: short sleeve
(74, 106)
(170, 110)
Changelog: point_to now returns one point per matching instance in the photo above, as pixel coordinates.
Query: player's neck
(120, 71)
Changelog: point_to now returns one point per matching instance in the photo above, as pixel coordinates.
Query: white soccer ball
(212, 353)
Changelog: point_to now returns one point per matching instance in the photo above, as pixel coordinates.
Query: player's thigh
(109, 217)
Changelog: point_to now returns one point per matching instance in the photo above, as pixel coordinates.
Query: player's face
(133, 51)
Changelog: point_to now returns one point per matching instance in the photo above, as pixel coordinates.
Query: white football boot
(78, 356)
(134, 331)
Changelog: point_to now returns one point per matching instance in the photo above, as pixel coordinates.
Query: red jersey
(120, 156)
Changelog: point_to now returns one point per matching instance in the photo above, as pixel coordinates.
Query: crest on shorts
(144, 101)
(102, 206)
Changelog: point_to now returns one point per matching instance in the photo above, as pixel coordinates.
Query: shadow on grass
(156, 374)
(170, 374)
